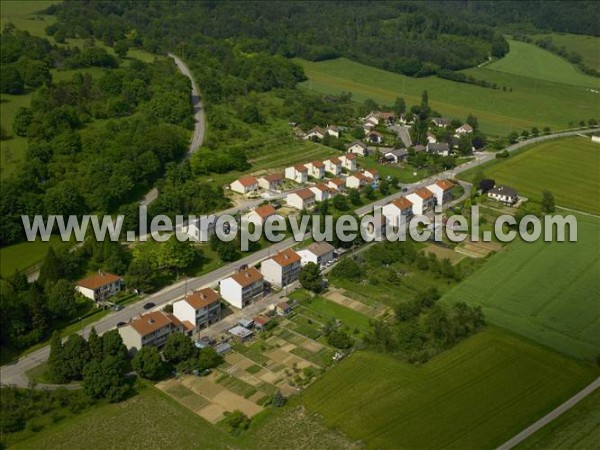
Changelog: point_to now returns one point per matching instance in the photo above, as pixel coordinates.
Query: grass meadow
(530, 61)
(578, 428)
(532, 103)
(586, 46)
(26, 254)
(547, 292)
(387, 403)
(567, 167)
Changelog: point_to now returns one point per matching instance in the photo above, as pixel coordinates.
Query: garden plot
(372, 310)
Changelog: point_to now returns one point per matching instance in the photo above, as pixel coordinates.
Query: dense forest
(405, 37)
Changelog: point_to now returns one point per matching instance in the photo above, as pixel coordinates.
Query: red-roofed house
(398, 210)
(338, 184)
(316, 169)
(333, 166)
(442, 189)
(297, 173)
(422, 199)
(200, 308)
(348, 161)
(282, 269)
(270, 182)
(151, 329)
(371, 173)
(244, 185)
(302, 199)
(259, 214)
(357, 180)
(322, 192)
(242, 288)
(99, 287)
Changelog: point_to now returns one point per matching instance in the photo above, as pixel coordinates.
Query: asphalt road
(199, 123)
(516, 440)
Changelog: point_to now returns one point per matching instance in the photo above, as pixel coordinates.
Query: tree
(339, 202)
(472, 120)
(348, 269)
(179, 348)
(175, 254)
(76, 354)
(311, 278)
(121, 48)
(369, 192)
(56, 367)
(354, 196)
(339, 339)
(384, 187)
(236, 421)
(278, 399)
(464, 145)
(399, 106)
(112, 345)
(95, 344)
(61, 299)
(50, 270)
(11, 81)
(106, 379)
(208, 358)
(548, 205)
(148, 363)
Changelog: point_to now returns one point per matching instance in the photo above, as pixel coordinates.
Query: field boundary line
(552, 415)
(577, 211)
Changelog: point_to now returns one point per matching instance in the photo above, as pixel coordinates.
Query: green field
(578, 428)
(26, 254)
(587, 46)
(475, 396)
(528, 60)
(547, 292)
(532, 103)
(567, 167)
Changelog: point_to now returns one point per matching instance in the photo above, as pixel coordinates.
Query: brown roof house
(99, 287)
(243, 287)
(198, 309)
(282, 269)
(151, 329)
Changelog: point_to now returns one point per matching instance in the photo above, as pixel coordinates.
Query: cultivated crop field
(528, 60)
(532, 103)
(567, 167)
(390, 404)
(577, 428)
(547, 292)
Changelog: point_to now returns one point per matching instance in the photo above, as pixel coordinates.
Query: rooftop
(402, 203)
(444, 184)
(320, 248)
(304, 194)
(203, 297)
(247, 276)
(286, 257)
(98, 280)
(248, 180)
(150, 322)
(265, 211)
(424, 193)
(273, 177)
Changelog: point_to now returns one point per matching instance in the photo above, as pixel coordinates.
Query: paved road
(403, 133)
(199, 122)
(511, 443)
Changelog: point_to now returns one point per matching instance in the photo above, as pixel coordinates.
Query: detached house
(442, 190)
(333, 165)
(397, 155)
(302, 199)
(438, 149)
(358, 148)
(151, 329)
(319, 253)
(321, 191)
(282, 269)
(332, 131)
(374, 136)
(464, 129)
(244, 185)
(337, 183)
(243, 288)
(315, 132)
(504, 194)
(270, 182)
(398, 211)
(316, 169)
(386, 116)
(422, 200)
(357, 180)
(348, 161)
(198, 309)
(99, 287)
(371, 173)
(440, 122)
(371, 118)
(297, 173)
(260, 214)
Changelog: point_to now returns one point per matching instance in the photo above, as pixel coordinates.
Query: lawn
(567, 167)
(12, 150)
(532, 102)
(531, 61)
(577, 428)
(475, 396)
(26, 254)
(547, 292)
(586, 46)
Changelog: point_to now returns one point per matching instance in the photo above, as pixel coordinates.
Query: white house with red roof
(333, 131)
(371, 173)
(322, 192)
(358, 148)
(150, 329)
(398, 211)
(422, 200)
(442, 189)
(243, 287)
(99, 287)
(198, 309)
(302, 199)
(357, 180)
(333, 165)
(297, 173)
(270, 182)
(244, 185)
(260, 214)
(282, 269)
(348, 161)
(337, 184)
(316, 169)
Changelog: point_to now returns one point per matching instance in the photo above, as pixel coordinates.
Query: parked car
(149, 305)
(121, 324)
(118, 307)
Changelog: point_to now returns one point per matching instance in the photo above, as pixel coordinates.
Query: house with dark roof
(440, 122)
(314, 133)
(441, 148)
(319, 253)
(396, 155)
(358, 148)
(99, 287)
(504, 194)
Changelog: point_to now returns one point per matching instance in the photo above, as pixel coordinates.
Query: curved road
(199, 123)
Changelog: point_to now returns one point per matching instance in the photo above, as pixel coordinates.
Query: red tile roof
(265, 211)
(98, 280)
(300, 168)
(286, 257)
(247, 277)
(337, 181)
(445, 184)
(150, 322)
(201, 298)
(424, 193)
(402, 203)
(248, 180)
(304, 194)
(318, 164)
(273, 177)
